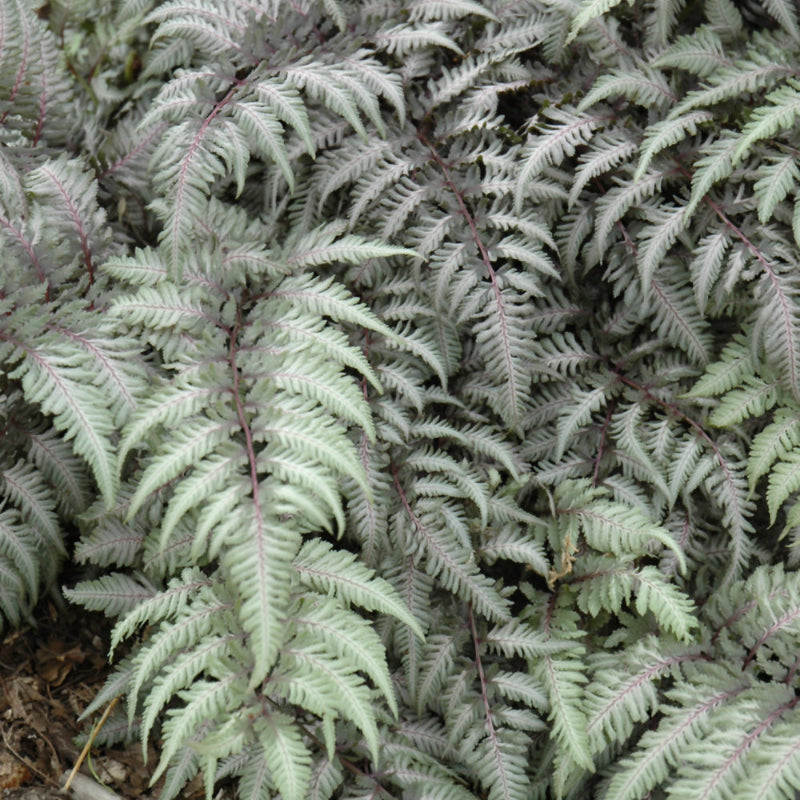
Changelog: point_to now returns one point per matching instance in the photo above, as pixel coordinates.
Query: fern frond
(589, 11)
(784, 480)
(346, 690)
(680, 729)
(196, 440)
(786, 14)
(774, 764)
(769, 120)
(578, 414)
(449, 561)
(162, 308)
(716, 165)
(709, 255)
(616, 202)
(611, 526)
(500, 765)
(774, 443)
(51, 379)
(724, 16)
(671, 607)
(403, 39)
(565, 678)
(604, 154)
(181, 672)
(258, 559)
(449, 9)
(437, 661)
(22, 485)
(286, 754)
(667, 133)
(166, 604)
(778, 178)
(508, 544)
(735, 364)
(666, 225)
(648, 88)
(750, 75)
(326, 570)
(560, 137)
(620, 695)
(675, 316)
(114, 594)
(519, 639)
(755, 399)
(204, 700)
(701, 52)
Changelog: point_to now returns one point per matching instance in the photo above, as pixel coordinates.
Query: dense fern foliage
(419, 381)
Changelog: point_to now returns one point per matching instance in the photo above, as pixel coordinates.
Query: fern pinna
(422, 377)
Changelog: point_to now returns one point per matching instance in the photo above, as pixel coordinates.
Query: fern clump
(423, 377)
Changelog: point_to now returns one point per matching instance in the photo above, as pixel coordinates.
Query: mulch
(48, 675)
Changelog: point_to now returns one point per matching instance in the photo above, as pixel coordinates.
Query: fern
(588, 12)
(767, 121)
(419, 384)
